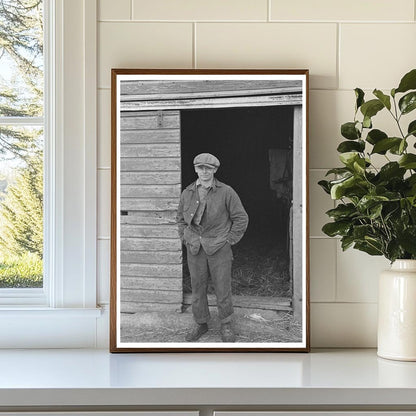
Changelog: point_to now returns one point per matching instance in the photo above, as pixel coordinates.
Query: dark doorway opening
(254, 146)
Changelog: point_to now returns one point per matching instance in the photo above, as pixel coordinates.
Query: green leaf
(368, 248)
(348, 158)
(398, 149)
(349, 146)
(371, 108)
(375, 136)
(383, 145)
(369, 201)
(338, 171)
(408, 161)
(336, 228)
(408, 82)
(411, 184)
(338, 190)
(359, 95)
(402, 147)
(385, 99)
(346, 242)
(325, 186)
(374, 242)
(407, 239)
(367, 122)
(391, 170)
(408, 102)
(350, 131)
(411, 130)
(342, 211)
(361, 231)
(359, 166)
(393, 250)
(375, 211)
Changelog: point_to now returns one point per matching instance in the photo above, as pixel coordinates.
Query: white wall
(345, 44)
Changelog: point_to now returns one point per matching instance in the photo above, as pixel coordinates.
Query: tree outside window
(21, 143)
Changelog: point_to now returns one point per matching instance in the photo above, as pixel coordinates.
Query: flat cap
(206, 159)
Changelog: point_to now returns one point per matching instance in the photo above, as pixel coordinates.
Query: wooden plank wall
(150, 187)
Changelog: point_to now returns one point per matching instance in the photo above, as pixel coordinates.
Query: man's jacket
(224, 220)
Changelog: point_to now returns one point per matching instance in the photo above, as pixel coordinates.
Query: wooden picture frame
(253, 123)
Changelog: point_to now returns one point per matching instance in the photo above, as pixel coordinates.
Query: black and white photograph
(209, 212)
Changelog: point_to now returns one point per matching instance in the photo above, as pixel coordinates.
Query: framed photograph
(209, 211)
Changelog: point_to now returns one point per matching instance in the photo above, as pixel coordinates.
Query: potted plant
(376, 209)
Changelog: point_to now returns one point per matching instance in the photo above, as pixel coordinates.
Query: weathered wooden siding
(150, 186)
(165, 95)
(146, 89)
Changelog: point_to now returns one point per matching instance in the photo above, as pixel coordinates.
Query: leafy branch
(376, 211)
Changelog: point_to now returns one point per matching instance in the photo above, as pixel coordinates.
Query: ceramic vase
(397, 312)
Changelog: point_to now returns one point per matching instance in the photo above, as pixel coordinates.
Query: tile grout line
(269, 11)
(336, 271)
(355, 302)
(194, 63)
(308, 22)
(338, 64)
(131, 9)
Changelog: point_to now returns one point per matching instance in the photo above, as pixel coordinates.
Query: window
(63, 313)
(22, 132)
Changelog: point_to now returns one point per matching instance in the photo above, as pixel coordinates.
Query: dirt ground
(250, 325)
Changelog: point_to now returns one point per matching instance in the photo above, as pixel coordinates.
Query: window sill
(40, 327)
(36, 312)
(330, 379)
(10, 298)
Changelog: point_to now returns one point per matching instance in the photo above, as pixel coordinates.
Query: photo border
(304, 346)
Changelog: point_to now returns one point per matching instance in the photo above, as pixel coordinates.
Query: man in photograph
(211, 219)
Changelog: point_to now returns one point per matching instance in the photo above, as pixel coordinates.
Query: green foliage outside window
(21, 146)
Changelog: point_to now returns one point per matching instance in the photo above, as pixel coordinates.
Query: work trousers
(218, 266)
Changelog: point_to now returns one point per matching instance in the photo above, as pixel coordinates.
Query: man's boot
(196, 332)
(227, 334)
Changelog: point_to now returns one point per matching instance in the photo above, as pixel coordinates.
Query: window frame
(67, 303)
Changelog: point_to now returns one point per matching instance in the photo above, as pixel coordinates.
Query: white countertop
(96, 377)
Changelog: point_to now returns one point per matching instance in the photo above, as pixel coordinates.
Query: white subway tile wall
(366, 48)
(345, 44)
(142, 45)
(339, 325)
(323, 268)
(104, 128)
(355, 10)
(357, 275)
(197, 10)
(270, 45)
(114, 10)
(103, 270)
(104, 202)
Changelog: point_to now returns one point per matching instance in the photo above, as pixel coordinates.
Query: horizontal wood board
(150, 187)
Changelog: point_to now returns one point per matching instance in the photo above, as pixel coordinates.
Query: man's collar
(199, 183)
(215, 184)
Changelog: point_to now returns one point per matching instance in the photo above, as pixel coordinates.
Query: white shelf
(56, 378)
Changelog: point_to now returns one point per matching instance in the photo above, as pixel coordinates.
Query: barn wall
(150, 186)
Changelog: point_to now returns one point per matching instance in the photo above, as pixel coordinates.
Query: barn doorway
(254, 145)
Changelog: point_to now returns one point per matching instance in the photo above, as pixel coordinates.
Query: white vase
(397, 312)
